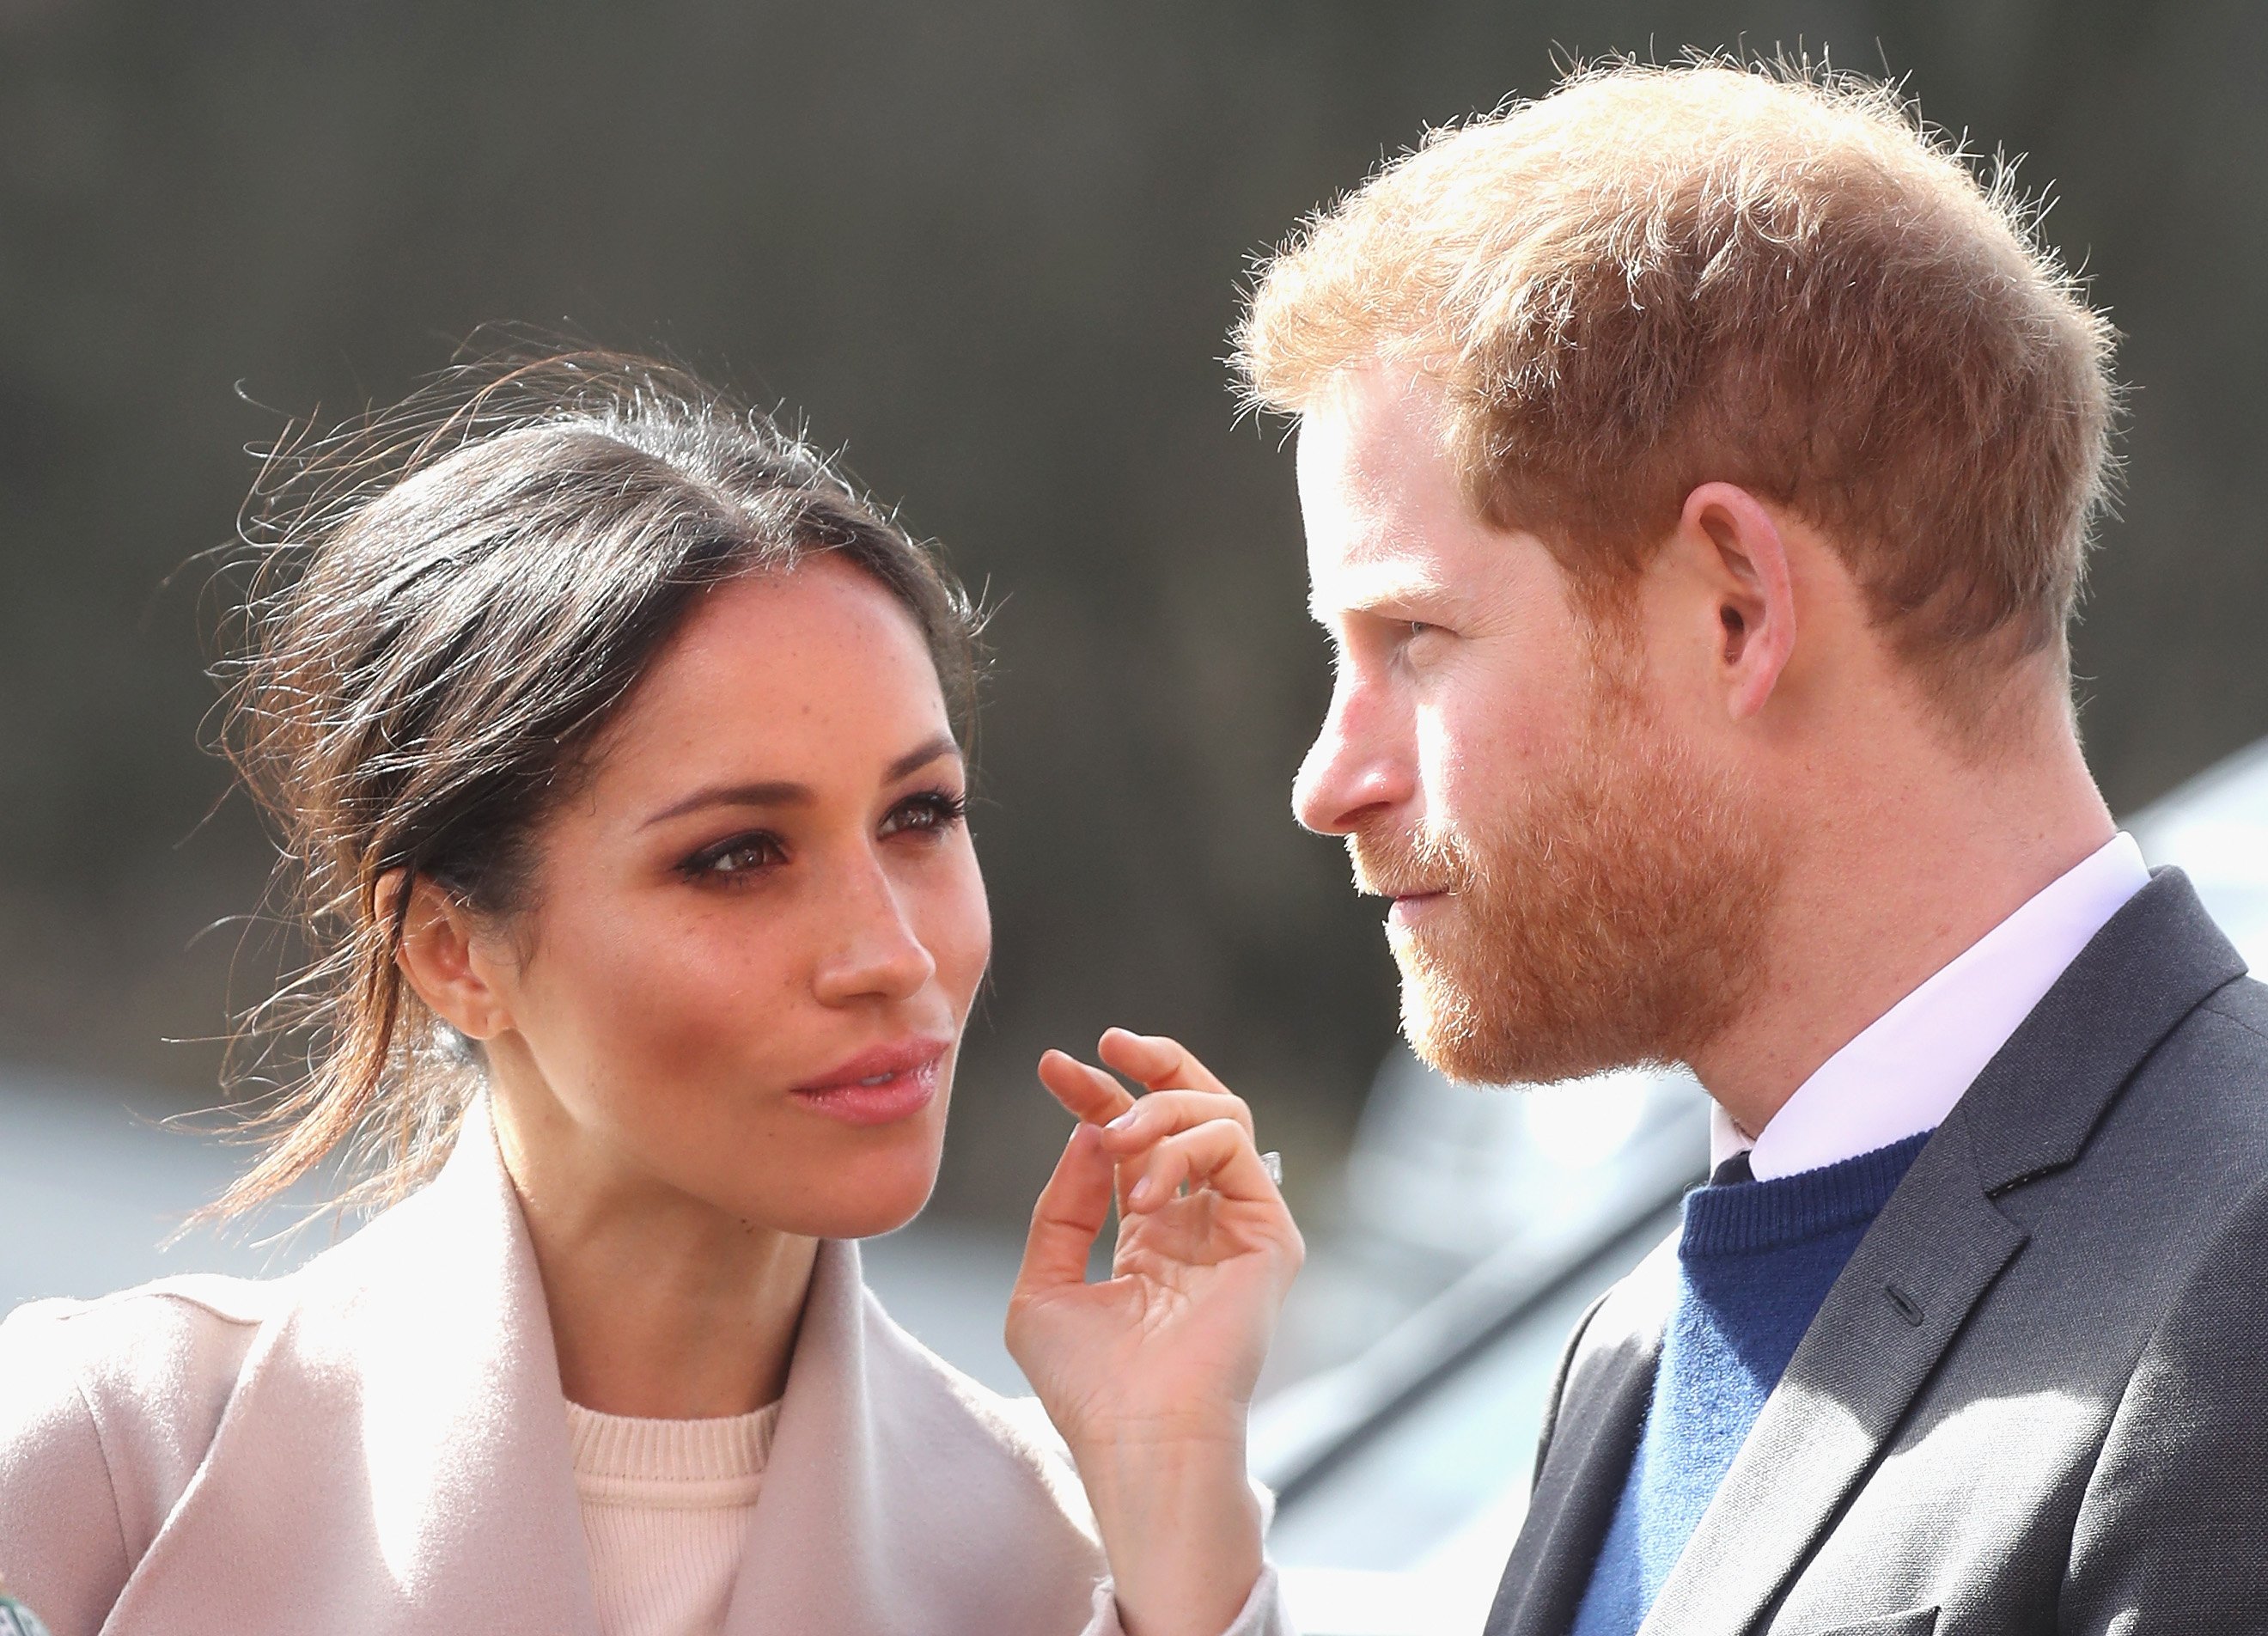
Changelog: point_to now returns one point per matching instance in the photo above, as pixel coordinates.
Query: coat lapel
(815, 1527)
(1603, 1397)
(900, 1496)
(395, 1456)
(1933, 1252)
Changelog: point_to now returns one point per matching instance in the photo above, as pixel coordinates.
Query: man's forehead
(1387, 521)
(1369, 435)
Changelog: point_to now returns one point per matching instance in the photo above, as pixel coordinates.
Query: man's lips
(1409, 904)
(877, 1087)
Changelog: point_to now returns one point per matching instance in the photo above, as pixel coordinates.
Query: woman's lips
(879, 1086)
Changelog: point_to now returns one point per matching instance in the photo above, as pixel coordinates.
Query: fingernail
(1125, 1121)
(1141, 1192)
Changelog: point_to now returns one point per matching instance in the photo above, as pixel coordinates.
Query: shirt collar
(1904, 1072)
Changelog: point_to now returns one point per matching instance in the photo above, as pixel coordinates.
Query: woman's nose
(875, 953)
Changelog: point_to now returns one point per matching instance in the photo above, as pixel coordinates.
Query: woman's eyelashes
(927, 813)
(735, 857)
(757, 852)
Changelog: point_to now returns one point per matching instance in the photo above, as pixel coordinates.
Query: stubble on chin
(1614, 916)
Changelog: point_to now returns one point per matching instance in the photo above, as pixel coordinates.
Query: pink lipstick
(877, 1087)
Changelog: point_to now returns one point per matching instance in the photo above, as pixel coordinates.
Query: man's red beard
(1614, 916)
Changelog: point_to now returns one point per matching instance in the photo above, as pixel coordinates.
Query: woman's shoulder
(106, 1406)
(154, 1340)
(149, 1369)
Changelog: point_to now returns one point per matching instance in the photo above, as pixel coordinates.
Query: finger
(1090, 1093)
(1159, 1064)
(1071, 1209)
(1162, 1114)
(1218, 1154)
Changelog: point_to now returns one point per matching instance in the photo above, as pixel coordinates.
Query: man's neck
(1898, 877)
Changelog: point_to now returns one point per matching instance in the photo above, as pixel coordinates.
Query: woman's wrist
(1181, 1526)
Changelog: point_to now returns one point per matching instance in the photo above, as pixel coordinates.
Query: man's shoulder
(2243, 1006)
(2209, 1080)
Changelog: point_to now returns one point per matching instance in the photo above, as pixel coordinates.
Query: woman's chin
(874, 1200)
(866, 1217)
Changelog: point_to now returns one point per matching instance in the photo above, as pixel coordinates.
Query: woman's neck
(661, 1306)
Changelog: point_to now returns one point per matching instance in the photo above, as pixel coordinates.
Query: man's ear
(443, 957)
(1737, 545)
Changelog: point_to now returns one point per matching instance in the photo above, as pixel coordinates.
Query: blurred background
(992, 249)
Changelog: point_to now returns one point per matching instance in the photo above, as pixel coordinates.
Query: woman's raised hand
(1149, 1373)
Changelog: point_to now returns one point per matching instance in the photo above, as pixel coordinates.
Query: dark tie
(1732, 1172)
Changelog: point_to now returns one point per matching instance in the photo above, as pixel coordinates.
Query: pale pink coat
(377, 1443)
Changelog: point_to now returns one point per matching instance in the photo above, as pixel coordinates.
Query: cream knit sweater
(666, 1510)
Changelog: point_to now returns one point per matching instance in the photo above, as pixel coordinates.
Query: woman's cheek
(963, 942)
(691, 1003)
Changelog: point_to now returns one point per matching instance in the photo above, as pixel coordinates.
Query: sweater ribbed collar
(1742, 1217)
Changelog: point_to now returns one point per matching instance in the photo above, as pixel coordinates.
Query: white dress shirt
(1904, 1072)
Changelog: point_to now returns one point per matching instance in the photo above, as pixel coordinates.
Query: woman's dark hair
(447, 602)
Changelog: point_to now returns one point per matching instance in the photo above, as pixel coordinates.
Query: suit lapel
(1934, 1251)
(1603, 1402)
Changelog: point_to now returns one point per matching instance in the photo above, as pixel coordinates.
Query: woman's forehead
(816, 671)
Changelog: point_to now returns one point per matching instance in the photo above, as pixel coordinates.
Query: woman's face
(754, 932)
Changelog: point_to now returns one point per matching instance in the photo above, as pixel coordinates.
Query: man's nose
(1355, 770)
(875, 953)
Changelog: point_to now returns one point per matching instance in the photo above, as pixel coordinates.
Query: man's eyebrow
(1377, 591)
(786, 792)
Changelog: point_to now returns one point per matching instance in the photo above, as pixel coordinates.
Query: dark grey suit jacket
(2036, 1399)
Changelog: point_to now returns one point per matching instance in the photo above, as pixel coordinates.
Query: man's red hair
(1655, 277)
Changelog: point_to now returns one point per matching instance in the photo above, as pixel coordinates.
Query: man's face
(1573, 886)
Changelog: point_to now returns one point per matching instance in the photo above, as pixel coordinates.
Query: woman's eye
(741, 855)
(932, 810)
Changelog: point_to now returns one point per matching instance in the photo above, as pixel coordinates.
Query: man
(1698, 466)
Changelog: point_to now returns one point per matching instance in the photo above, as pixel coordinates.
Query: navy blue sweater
(1754, 1264)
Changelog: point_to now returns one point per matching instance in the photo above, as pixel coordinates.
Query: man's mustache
(1387, 864)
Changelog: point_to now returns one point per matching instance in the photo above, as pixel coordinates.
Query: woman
(616, 747)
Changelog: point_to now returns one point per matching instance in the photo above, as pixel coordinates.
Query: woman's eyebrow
(786, 792)
(774, 792)
(915, 760)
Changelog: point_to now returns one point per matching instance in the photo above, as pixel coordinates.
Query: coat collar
(1936, 1247)
(395, 1456)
